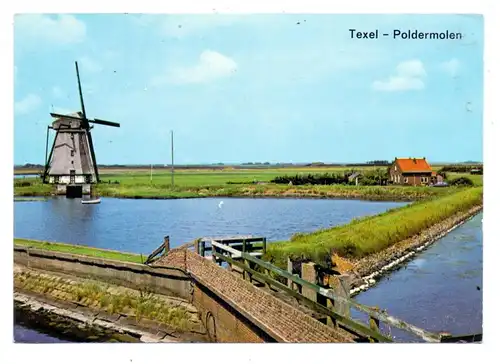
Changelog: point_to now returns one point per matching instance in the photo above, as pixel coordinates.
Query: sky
(252, 88)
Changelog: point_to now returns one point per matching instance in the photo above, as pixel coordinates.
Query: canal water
(441, 289)
(22, 176)
(139, 226)
(23, 334)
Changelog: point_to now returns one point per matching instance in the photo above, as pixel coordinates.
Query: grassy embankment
(372, 234)
(81, 250)
(234, 183)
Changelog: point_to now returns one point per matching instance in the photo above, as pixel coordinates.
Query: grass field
(81, 250)
(364, 236)
(137, 183)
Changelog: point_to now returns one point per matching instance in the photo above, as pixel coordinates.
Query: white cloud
(89, 65)
(210, 67)
(408, 76)
(61, 29)
(399, 84)
(413, 68)
(451, 67)
(28, 104)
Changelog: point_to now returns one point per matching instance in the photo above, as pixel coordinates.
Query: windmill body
(71, 165)
(71, 159)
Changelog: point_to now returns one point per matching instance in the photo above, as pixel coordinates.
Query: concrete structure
(231, 309)
(162, 280)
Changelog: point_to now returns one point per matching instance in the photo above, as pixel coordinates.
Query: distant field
(208, 177)
(222, 169)
(193, 178)
(137, 183)
(220, 176)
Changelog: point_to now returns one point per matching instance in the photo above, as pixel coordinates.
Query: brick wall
(239, 308)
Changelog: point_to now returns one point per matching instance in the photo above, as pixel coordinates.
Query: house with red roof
(412, 171)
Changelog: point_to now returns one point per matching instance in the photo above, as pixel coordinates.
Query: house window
(425, 179)
(406, 179)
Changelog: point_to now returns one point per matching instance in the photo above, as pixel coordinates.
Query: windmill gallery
(71, 165)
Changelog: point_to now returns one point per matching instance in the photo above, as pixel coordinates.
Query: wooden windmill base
(73, 190)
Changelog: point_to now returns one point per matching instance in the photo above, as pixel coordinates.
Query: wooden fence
(161, 250)
(255, 269)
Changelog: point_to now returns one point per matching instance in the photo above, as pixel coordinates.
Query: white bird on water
(221, 203)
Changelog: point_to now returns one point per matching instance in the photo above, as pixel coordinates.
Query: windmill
(71, 164)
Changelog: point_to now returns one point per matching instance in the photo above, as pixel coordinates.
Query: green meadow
(80, 250)
(134, 183)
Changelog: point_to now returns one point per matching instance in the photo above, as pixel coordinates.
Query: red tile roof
(413, 165)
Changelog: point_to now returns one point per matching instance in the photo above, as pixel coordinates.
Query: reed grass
(392, 193)
(372, 234)
(92, 294)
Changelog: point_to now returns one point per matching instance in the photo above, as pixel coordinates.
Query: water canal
(23, 334)
(441, 289)
(138, 226)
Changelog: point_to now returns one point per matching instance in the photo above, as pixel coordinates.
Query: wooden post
(290, 270)
(197, 245)
(267, 273)
(166, 244)
(341, 285)
(374, 323)
(264, 243)
(247, 275)
(309, 274)
(331, 305)
(202, 248)
(244, 247)
(214, 249)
